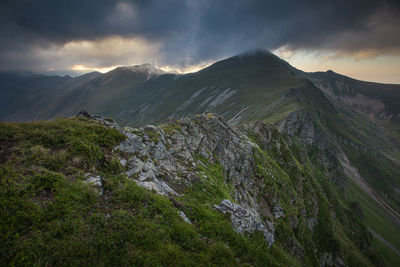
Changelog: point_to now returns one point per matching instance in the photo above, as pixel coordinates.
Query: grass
(50, 216)
(375, 217)
(389, 256)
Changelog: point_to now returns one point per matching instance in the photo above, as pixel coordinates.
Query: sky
(360, 39)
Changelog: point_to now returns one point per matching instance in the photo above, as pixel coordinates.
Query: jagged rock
(135, 166)
(106, 122)
(95, 181)
(84, 113)
(278, 212)
(244, 220)
(165, 163)
(184, 217)
(301, 123)
(158, 186)
(133, 144)
(159, 151)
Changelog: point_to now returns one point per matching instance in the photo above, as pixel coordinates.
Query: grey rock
(184, 217)
(133, 144)
(299, 123)
(278, 212)
(150, 128)
(159, 151)
(106, 122)
(244, 220)
(135, 166)
(95, 181)
(123, 162)
(158, 186)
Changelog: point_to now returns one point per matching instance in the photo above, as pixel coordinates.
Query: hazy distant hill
(26, 96)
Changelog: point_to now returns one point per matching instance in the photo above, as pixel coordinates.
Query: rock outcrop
(244, 220)
(266, 189)
(164, 159)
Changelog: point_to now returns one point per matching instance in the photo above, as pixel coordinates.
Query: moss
(170, 128)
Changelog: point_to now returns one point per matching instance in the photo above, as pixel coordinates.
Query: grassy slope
(342, 86)
(50, 216)
(259, 82)
(377, 164)
(379, 221)
(371, 148)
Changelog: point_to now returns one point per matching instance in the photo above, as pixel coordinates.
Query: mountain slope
(240, 88)
(29, 96)
(77, 192)
(374, 99)
(353, 144)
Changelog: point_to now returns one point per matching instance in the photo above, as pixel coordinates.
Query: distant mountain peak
(256, 52)
(145, 68)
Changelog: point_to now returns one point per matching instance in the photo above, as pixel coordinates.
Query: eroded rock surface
(165, 159)
(244, 220)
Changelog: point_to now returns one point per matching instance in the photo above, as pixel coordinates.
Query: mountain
(26, 96)
(198, 192)
(240, 88)
(339, 129)
(374, 99)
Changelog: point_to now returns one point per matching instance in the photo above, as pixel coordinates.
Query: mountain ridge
(351, 147)
(214, 192)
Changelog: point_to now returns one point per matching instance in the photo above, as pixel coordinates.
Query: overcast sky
(356, 38)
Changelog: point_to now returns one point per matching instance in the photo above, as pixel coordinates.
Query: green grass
(50, 216)
(380, 222)
(389, 256)
(375, 217)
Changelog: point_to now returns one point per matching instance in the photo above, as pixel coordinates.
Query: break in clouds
(45, 34)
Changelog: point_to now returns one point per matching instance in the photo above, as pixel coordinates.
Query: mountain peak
(146, 68)
(256, 52)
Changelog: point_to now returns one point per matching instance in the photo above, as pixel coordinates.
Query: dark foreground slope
(191, 192)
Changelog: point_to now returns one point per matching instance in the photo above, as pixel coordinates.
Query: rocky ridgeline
(167, 159)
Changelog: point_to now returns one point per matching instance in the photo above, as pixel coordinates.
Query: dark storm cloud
(192, 31)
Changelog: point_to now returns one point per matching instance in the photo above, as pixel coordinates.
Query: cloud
(183, 33)
(82, 55)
